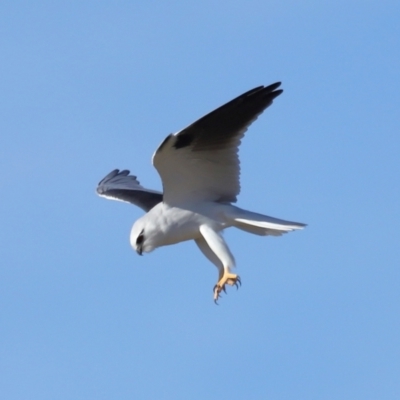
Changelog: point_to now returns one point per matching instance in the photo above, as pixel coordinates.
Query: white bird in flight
(199, 170)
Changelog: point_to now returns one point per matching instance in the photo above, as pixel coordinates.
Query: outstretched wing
(119, 185)
(200, 162)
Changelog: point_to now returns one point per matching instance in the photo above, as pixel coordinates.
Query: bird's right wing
(201, 162)
(119, 185)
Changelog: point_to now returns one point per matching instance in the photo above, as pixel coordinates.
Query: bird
(200, 172)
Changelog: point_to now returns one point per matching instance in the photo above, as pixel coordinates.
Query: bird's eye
(140, 238)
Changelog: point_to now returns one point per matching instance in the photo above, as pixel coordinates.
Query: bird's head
(143, 237)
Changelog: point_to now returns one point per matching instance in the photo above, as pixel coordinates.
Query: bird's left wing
(200, 162)
(119, 185)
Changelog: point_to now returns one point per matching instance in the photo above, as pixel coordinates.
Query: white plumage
(199, 168)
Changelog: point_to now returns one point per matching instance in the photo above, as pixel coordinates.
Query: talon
(217, 293)
(238, 282)
(227, 278)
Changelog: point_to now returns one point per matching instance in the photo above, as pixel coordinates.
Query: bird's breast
(181, 224)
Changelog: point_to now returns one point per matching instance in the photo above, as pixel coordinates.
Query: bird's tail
(260, 224)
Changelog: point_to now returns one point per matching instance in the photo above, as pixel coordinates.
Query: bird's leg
(227, 278)
(216, 250)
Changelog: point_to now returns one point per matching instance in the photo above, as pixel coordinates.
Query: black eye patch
(140, 238)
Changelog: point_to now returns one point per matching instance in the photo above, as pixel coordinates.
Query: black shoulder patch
(183, 140)
(164, 142)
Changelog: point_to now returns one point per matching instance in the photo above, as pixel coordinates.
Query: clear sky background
(89, 86)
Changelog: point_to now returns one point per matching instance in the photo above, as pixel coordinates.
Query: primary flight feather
(199, 169)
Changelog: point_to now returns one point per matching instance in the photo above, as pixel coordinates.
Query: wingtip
(269, 91)
(273, 86)
(110, 175)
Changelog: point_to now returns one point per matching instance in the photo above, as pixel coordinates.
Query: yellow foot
(227, 279)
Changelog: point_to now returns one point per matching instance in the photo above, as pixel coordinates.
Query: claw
(217, 297)
(229, 279)
(238, 283)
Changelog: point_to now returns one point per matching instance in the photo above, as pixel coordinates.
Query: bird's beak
(139, 250)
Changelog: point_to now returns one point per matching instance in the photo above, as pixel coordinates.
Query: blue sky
(92, 86)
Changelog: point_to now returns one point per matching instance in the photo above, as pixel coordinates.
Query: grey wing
(201, 161)
(119, 185)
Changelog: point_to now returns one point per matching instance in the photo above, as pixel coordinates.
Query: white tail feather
(256, 230)
(260, 224)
